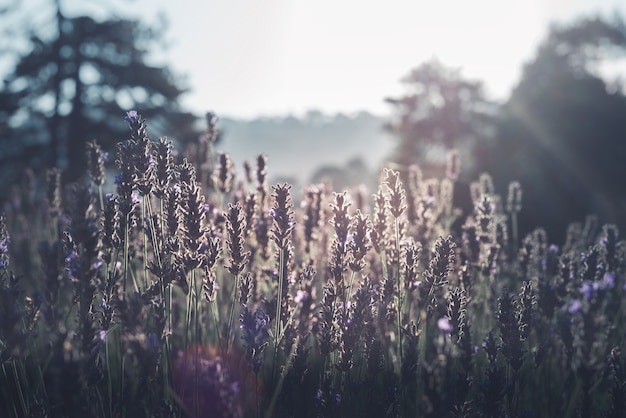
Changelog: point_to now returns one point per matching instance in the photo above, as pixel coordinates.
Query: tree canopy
(76, 86)
(562, 133)
(441, 110)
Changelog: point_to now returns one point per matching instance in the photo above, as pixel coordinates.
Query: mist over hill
(298, 147)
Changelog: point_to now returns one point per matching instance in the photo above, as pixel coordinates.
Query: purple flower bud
(300, 296)
(574, 306)
(131, 116)
(444, 324)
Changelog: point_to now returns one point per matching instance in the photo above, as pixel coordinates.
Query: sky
(250, 58)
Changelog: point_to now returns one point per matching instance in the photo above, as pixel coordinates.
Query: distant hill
(297, 147)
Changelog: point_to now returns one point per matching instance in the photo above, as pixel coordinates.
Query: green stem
(277, 338)
(109, 377)
(257, 396)
(232, 312)
(125, 275)
(188, 328)
(100, 197)
(398, 284)
(18, 388)
(514, 233)
(196, 346)
(126, 260)
(216, 320)
(122, 382)
(146, 219)
(281, 379)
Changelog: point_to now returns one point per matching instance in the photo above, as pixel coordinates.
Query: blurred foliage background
(561, 133)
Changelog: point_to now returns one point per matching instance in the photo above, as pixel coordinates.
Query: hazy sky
(247, 58)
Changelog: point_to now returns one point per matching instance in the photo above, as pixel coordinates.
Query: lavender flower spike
(131, 116)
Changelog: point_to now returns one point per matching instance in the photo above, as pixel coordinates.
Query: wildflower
(453, 165)
(396, 199)
(5, 240)
(192, 218)
(250, 210)
(245, 289)
(186, 173)
(236, 225)
(341, 224)
(412, 252)
(312, 214)
(511, 331)
(4, 244)
(164, 166)
(212, 132)
(378, 234)
(53, 190)
(514, 198)
(261, 174)
(456, 312)
(131, 116)
(359, 242)
(283, 215)
(255, 327)
(172, 211)
(95, 162)
(491, 347)
(224, 173)
(440, 264)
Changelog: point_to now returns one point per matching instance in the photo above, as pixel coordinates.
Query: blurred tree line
(561, 133)
(73, 82)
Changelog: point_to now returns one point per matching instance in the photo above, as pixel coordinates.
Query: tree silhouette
(562, 133)
(77, 86)
(441, 110)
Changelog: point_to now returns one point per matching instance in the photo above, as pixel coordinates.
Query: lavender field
(193, 290)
